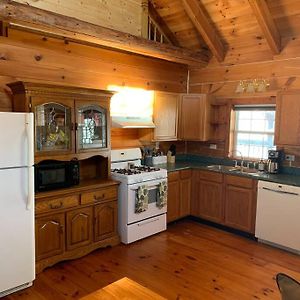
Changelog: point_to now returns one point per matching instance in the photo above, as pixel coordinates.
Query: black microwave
(54, 174)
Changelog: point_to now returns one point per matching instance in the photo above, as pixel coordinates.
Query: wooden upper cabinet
(68, 120)
(194, 122)
(91, 125)
(165, 116)
(287, 128)
(54, 125)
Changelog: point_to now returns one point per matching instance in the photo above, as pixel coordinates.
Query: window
(253, 131)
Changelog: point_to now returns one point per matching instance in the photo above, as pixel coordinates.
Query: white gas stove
(137, 174)
(135, 223)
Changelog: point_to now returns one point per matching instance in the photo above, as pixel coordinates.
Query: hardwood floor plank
(188, 261)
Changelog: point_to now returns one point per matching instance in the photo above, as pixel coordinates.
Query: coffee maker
(275, 158)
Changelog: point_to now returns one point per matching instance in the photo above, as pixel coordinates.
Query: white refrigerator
(17, 256)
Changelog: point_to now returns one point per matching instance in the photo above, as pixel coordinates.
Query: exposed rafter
(267, 24)
(71, 28)
(162, 25)
(200, 21)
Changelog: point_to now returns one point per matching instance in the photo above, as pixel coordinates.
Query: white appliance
(277, 217)
(126, 168)
(17, 256)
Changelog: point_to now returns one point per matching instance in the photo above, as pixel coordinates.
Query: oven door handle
(149, 187)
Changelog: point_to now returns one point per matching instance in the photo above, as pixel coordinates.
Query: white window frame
(235, 132)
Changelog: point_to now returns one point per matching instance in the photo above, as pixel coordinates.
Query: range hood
(132, 108)
(132, 122)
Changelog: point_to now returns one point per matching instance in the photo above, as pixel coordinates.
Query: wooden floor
(188, 261)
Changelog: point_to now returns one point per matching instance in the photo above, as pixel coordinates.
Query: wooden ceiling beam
(162, 25)
(267, 24)
(77, 30)
(208, 33)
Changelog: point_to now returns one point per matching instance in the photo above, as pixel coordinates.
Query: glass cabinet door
(92, 127)
(52, 127)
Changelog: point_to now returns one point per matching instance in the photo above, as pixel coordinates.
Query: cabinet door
(91, 126)
(239, 208)
(185, 196)
(195, 193)
(54, 124)
(49, 236)
(195, 117)
(105, 220)
(210, 201)
(79, 227)
(287, 131)
(173, 210)
(165, 116)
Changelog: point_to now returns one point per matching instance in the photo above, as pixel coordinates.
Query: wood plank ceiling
(249, 30)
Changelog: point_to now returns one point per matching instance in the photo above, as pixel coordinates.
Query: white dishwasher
(278, 215)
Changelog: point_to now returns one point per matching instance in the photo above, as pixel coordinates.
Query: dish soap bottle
(261, 165)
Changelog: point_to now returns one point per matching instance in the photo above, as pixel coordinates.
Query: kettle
(272, 166)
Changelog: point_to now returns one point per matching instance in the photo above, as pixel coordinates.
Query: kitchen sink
(252, 172)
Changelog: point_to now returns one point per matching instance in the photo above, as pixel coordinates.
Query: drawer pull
(56, 206)
(151, 221)
(99, 198)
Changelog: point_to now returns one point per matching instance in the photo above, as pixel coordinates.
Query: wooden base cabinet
(173, 210)
(72, 222)
(79, 227)
(208, 196)
(185, 185)
(210, 201)
(49, 236)
(240, 203)
(224, 199)
(105, 216)
(179, 194)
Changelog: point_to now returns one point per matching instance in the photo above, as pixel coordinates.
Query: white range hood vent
(132, 122)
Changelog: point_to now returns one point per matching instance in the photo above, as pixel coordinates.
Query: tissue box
(156, 160)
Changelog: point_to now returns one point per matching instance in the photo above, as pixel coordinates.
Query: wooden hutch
(71, 123)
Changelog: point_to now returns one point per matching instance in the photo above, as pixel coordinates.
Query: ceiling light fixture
(252, 86)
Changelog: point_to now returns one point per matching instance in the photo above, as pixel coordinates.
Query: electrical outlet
(213, 146)
(290, 157)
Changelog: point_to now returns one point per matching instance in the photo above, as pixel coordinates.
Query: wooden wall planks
(32, 57)
(123, 15)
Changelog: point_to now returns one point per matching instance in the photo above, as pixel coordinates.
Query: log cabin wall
(249, 56)
(29, 56)
(122, 15)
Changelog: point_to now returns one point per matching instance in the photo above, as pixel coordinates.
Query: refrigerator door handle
(30, 199)
(29, 133)
(30, 141)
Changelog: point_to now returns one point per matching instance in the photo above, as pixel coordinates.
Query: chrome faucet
(235, 161)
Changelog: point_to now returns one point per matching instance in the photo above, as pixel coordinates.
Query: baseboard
(220, 226)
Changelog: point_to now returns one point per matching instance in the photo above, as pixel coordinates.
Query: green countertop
(278, 178)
